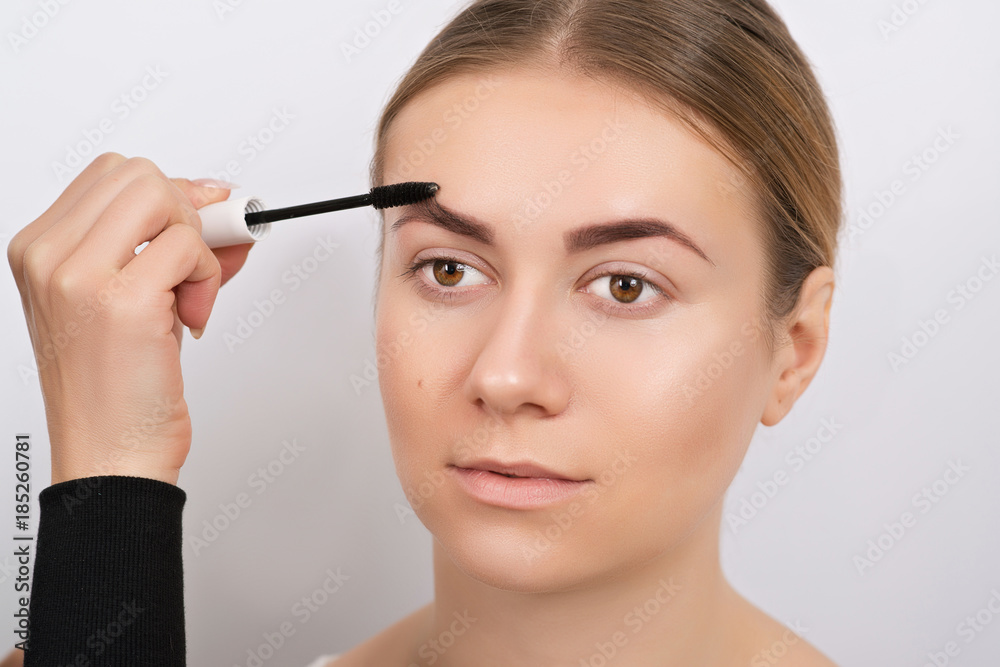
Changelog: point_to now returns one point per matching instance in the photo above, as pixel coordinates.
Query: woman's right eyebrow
(576, 240)
(430, 210)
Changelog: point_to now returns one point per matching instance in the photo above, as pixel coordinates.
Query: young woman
(627, 268)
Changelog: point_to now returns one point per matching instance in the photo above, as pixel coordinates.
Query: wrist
(66, 473)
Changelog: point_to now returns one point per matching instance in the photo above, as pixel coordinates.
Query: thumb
(196, 298)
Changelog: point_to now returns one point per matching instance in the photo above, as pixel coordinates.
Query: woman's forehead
(533, 147)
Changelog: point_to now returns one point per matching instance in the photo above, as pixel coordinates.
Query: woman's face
(558, 324)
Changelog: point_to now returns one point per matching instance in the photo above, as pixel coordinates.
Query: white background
(335, 506)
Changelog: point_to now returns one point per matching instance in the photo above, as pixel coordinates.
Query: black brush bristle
(384, 196)
(402, 194)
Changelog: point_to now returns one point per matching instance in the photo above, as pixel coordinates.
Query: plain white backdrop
(915, 90)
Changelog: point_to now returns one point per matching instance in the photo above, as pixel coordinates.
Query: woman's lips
(529, 487)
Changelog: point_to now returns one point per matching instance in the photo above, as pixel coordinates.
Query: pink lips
(521, 485)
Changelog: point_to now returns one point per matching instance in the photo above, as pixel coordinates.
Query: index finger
(200, 195)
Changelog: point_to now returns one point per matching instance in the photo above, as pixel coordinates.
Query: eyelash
(447, 294)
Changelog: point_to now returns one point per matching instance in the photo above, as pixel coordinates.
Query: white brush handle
(223, 223)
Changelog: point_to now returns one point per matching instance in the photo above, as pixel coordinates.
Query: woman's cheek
(677, 411)
(716, 408)
(399, 371)
(416, 362)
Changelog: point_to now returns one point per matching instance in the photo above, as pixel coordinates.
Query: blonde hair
(728, 69)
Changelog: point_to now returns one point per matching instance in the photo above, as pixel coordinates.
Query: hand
(106, 323)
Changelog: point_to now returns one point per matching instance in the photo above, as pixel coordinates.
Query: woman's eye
(625, 288)
(444, 271)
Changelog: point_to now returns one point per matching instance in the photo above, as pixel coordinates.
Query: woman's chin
(517, 559)
(511, 572)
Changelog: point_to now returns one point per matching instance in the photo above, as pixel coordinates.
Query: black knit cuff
(108, 580)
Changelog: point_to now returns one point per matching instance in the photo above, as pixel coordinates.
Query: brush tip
(402, 194)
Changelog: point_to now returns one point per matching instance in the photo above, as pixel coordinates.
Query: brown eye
(626, 288)
(448, 272)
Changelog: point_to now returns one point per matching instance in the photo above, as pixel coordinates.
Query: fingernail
(216, 183)
(196, 333)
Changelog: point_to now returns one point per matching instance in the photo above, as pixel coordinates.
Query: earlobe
(797, 363)
(782, 398)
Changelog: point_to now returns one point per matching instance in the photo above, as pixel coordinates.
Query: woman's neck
(675, 609)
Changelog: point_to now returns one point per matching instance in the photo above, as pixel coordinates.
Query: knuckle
(67, 283)
(143, 165)
(189, 234)
(38, 261)
(181, 202)
(15, 254)
(108, 161)
(149, 188)
(149, 180)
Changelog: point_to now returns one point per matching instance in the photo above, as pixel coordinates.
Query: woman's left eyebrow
(575, 240)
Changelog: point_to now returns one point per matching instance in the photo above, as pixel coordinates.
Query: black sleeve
(108, 580)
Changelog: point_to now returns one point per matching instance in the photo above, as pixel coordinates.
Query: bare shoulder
(765, 641)
(397, 644)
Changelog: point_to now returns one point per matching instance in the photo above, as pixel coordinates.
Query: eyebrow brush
(248, 220)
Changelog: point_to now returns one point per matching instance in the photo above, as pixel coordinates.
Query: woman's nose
(517, 367)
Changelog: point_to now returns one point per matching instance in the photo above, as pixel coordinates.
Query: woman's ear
(797, 362)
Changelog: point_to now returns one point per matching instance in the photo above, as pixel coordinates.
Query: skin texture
(530, 361)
